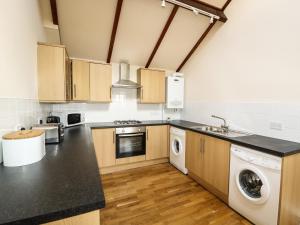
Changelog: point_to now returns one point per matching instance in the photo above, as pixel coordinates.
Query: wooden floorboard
(161, 195)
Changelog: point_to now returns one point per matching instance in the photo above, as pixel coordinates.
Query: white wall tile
(254, 117)
(20, 113)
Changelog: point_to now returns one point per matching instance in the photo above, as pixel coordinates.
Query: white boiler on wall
(175, 91)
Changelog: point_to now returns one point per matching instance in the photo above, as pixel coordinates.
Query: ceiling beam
(162, 35)
(54, 12)
(206, 7)
(203, 35)
(226, 4)
(114, 30)
(196, 45)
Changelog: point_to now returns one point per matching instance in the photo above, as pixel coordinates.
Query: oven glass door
(131, 145)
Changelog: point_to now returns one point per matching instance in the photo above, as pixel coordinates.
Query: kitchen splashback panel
(278, 120)
(124, 106)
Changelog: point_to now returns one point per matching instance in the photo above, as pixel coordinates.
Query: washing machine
(254, 185)
(177, 149)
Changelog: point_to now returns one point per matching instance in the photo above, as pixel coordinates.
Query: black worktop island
(66, 182)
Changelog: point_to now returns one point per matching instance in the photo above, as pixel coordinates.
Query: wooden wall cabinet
(105, 146)
(100, 82)
(90, 218)
(153, 86)
(80, 80)
(157, 142)
(207, 161)
(53, 73)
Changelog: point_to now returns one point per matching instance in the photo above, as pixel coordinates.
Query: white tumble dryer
(177, 149)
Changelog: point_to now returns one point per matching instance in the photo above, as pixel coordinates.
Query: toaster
(54, 132)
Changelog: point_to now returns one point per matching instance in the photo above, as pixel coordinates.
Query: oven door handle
(130, 135)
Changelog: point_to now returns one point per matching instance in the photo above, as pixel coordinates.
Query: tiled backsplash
(124, 106)
(23, 112)
(279, 120)
(16, 113)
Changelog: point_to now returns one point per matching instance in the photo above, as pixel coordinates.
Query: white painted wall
(248, 69)
(124, 105)
(21, 29)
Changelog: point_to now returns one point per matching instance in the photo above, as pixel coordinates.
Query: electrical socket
(276, 126)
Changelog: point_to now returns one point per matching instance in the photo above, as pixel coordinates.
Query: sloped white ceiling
(182, 35)
(86, 25)
(140, 25)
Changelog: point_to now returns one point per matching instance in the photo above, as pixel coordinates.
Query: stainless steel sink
(220, 131)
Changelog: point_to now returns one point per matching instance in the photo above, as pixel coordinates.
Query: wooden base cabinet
(90, 218)
(157, 149)
(289, 213)
(207, 160)
(157, 142)
(105, 146)
(194, 155)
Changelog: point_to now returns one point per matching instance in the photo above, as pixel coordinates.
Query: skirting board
(117, 168)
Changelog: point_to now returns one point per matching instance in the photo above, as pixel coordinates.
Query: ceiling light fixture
(195, 10)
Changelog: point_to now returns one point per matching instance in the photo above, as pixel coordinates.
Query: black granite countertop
(66, 182)
(265, 144)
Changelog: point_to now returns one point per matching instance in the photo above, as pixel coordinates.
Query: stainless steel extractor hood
(124, 78)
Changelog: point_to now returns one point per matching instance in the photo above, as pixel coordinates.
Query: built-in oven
(130, 141)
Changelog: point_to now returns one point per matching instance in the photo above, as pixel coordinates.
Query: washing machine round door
(176, 146)
(253, 185)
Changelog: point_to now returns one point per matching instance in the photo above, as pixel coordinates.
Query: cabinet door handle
(74, 90)
(142, 93)
(147, 134)
(203, 145)
(110, 93)
(114, 137)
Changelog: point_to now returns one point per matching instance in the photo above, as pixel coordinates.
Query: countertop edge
(174, 124)
(59, 215)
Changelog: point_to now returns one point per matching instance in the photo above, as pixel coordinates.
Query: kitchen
(187, 115)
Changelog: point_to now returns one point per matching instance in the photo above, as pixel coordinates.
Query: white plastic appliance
(177, 149)
(175, 91)
(254, 185)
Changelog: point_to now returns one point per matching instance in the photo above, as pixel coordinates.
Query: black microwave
(74, 119)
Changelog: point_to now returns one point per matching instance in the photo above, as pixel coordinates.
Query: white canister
(23, 147)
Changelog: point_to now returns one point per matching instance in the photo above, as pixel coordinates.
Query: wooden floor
(160, 195)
